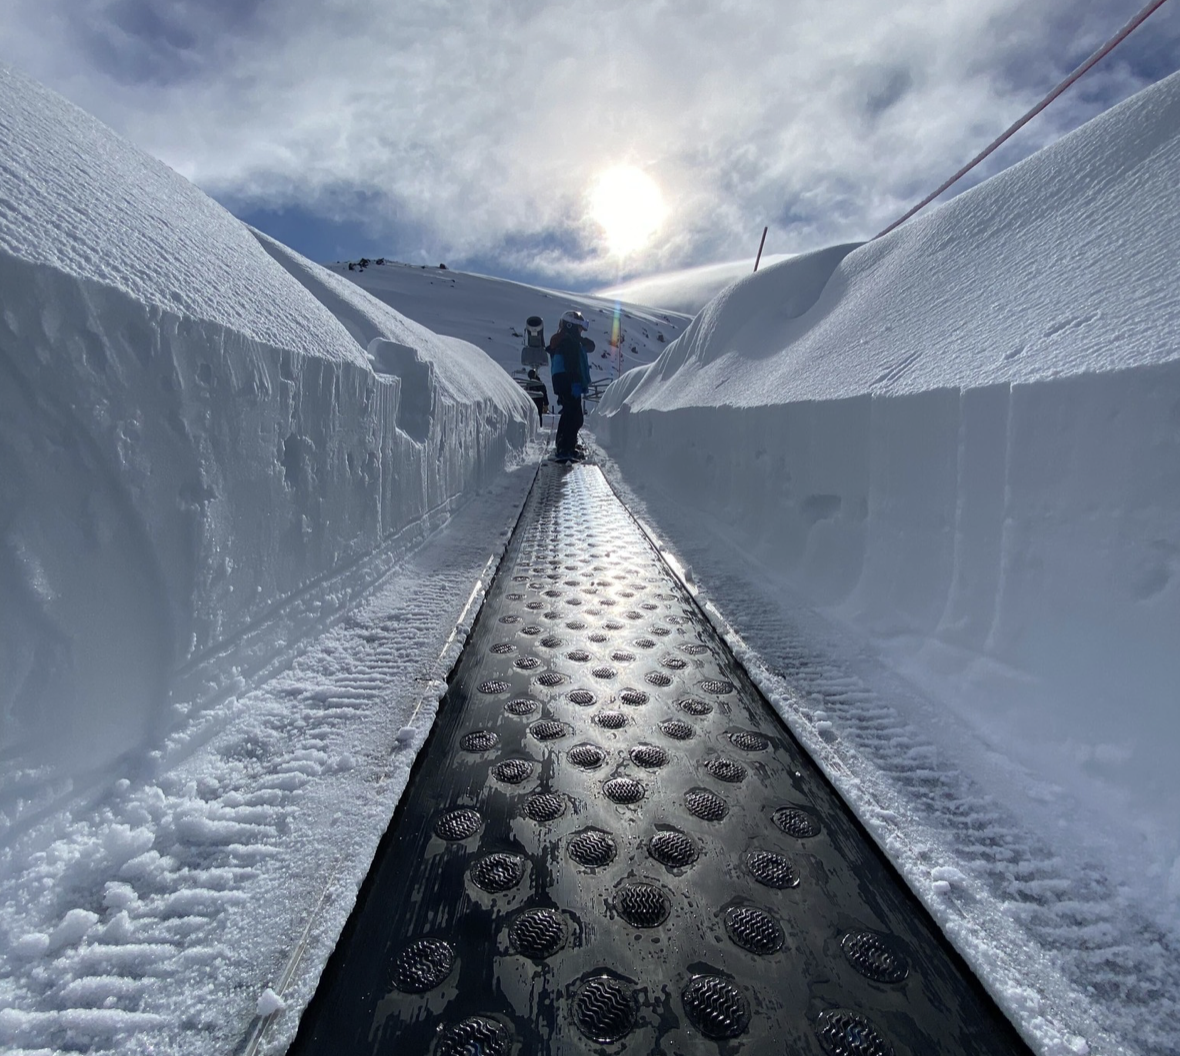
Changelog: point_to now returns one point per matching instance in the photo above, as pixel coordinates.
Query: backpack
(564, 349)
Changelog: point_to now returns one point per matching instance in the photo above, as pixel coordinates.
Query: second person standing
(569, 369)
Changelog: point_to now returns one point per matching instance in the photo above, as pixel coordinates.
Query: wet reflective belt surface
(612, 844)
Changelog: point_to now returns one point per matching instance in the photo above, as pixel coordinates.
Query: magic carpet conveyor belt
(612, 844)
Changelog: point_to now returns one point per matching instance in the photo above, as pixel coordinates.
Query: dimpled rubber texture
(726, 769)
(593, 849)
(610, 720)
(497, 872)
(545, 806)
(748, 741)
(674, 728)
(478, 1034)
(459, 824)
(547, 730)
(754, 930)
(649, 756)
(603, 870)
(537, 933)
(495, 685)
(874, 957)
(796, 822)
(708, 806)
(771, 870)
(513, 771)
(587, 756)
(717, 1007)
(673, 849)
(604, 1010)
(844, 1033)
(423, 965)
(642, 905)
(624, 789)
(479, 741)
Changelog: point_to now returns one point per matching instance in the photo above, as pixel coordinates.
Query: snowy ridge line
(409, 736)
(1051, 948)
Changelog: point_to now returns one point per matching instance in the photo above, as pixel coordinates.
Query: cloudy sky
(476, 131)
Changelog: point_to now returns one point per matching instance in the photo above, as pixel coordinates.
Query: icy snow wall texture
(191, 435)
(964, 438)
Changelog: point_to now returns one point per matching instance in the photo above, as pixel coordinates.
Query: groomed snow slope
(962, 442)
(191, 432)
(490, 313)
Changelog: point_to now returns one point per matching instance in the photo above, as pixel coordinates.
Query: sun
(629, 207)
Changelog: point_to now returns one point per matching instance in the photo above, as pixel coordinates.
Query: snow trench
(176, 493)
(966, 452)
(994, 542)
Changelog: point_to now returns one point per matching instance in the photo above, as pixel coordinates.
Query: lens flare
(616, 339)
(628, 206)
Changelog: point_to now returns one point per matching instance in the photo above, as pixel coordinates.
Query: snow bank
(963, 440)
(197, 459)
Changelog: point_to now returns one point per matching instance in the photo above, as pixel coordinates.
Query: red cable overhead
(1100, 54)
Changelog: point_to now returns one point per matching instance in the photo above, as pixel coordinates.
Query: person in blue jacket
(569, 370)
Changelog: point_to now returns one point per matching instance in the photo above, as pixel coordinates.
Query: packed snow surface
(953, 455)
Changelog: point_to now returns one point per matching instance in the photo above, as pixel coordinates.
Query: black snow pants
(571, 414)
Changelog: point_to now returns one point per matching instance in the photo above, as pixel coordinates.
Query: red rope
(1098, 56)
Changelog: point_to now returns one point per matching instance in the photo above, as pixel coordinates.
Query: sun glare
(628, 206)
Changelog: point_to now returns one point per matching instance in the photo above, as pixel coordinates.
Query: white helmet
(574, 320)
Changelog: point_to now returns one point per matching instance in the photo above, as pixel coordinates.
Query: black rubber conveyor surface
(612, 844)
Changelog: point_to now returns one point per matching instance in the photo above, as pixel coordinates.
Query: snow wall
(198, 458)
(963, 440)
